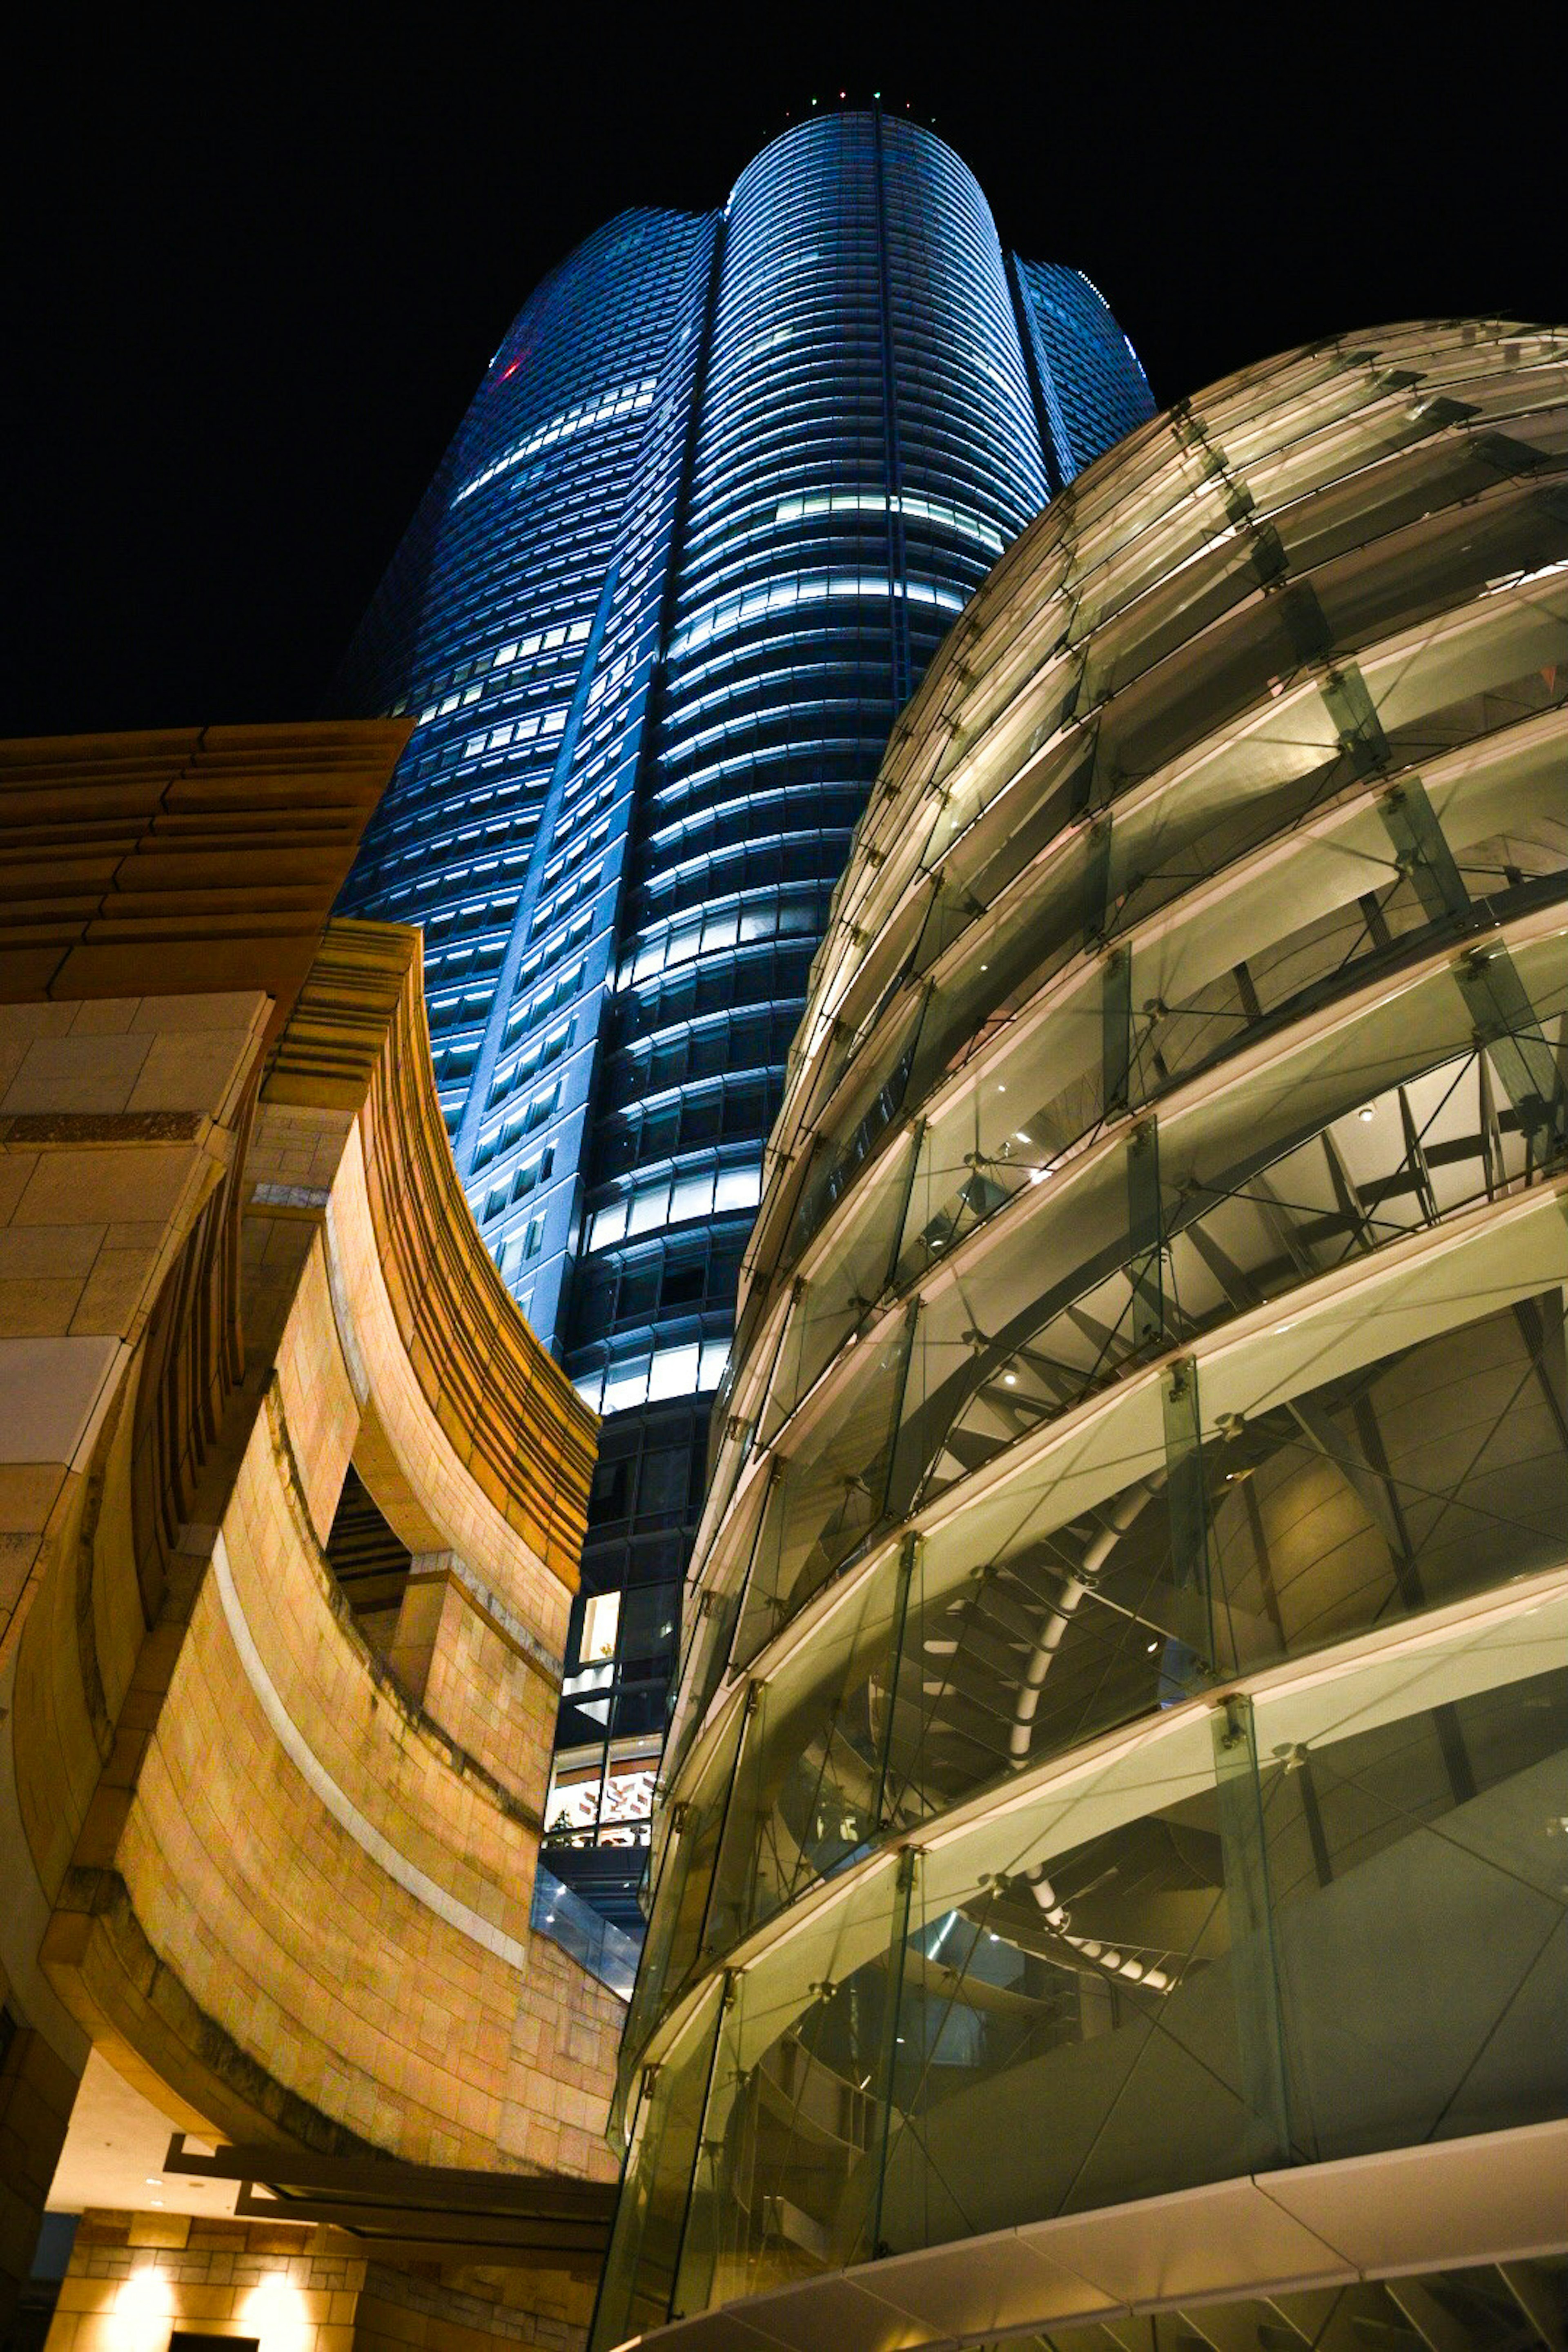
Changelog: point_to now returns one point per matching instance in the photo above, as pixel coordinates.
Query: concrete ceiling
(114, 2151)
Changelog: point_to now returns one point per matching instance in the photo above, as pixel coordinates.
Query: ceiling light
(1010, 1380)
(1367, 1110)
(1153, 1647)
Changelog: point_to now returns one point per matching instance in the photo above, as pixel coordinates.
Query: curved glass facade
(1120, 1745)
(728, 483)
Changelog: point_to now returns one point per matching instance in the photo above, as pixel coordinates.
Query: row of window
(625, 400)
(657, 1201)
(533, 725)
(906, 502)
(577, 849)
(576, 633)
(532, 1115)
(544, 1001)
(538, 1056)
(652, 1286)
(736, 925)
(553, 909)
(744, 867)
(738, 1109)
(770, 976)
(693, 1369)
(749, 1040)
(805, 588)
(447, 694)
(528, 1179)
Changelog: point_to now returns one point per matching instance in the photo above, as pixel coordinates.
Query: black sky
(261, 258)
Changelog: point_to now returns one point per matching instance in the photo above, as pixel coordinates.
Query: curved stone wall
(280, 1880)
(1116, 1745)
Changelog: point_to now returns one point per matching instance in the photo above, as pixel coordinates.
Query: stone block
(50, 1252)
(107, 1016)
(159, 2228)
(36, 1305)
(15, 1174)
(189, 1070)
(51, 1389)
(226, 1009)
(88, 1187)
(75, 1073)
(116, 1291)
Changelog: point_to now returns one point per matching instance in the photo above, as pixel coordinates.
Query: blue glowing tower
(725, 488)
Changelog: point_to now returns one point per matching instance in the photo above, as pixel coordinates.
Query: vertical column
(1254, 1972)
(1189, 1664)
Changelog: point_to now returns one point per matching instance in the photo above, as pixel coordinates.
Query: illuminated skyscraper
(725, 488)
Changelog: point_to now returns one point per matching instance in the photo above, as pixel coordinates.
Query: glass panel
(789, 2176)
(1413, 1813)
(809, 1793)
(1077, 1599)
(1010, 1126)
(650, 2220)
(1077, 1999)
(1441, 564)
(830, 1495)
(839, 1296)
(994, 1357)
(1431, 1473)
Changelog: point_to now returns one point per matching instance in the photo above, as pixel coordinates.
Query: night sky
(261, 258)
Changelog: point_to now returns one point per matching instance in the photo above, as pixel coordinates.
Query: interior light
(1010, 1380)
(1366, 1111)
(1001, 1090)
(1153, 1647)
(143, 2296)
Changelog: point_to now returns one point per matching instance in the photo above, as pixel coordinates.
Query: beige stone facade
(273, 1863)
(136, 2279)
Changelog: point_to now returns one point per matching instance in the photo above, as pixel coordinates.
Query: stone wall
(279, 1880)
(325, 1856)
(134, 2278)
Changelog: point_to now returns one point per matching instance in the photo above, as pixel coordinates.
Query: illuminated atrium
(1110, 1864)
(729, 480)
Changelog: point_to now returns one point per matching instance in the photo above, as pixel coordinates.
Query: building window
(601, 1617)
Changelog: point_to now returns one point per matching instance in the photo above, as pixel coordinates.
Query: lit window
(601, 1621)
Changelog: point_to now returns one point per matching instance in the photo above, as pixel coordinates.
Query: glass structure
(727, 485)
(1119, 1745)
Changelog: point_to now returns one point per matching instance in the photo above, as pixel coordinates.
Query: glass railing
(606, 1952)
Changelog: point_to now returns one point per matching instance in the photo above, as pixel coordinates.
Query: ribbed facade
(729, 481)
(1119, 1745)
